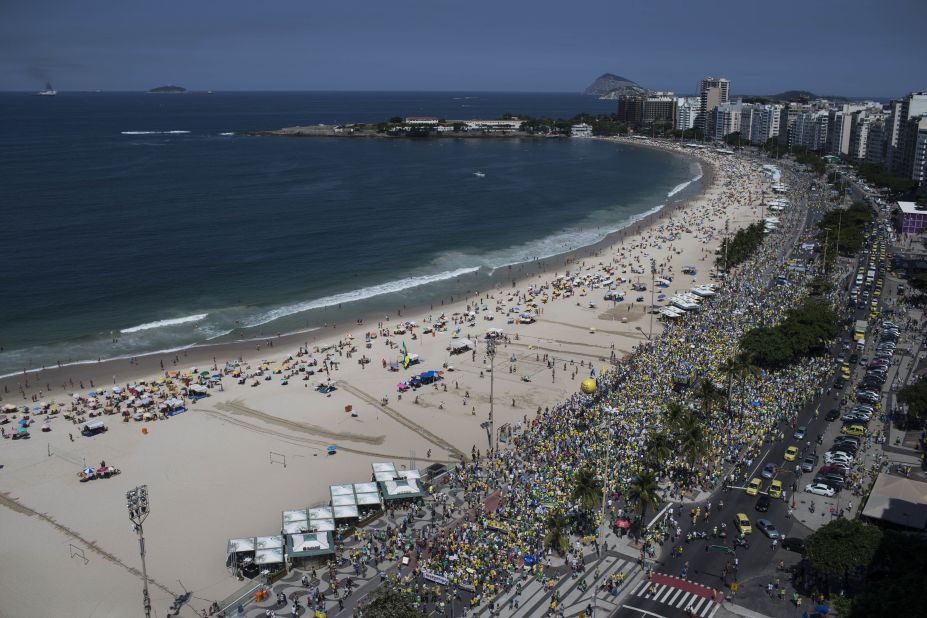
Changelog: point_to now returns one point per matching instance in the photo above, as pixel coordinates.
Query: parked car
(808, 463)
(820, 489)
(832, 415)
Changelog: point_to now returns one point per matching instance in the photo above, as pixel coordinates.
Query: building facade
(909, 219)
(712, 92)
(686, 112)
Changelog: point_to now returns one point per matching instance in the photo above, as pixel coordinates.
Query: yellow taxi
(742, 523)
(753, 487)
(775, 489)
(791, 453)
(857, 431)
(845, 371)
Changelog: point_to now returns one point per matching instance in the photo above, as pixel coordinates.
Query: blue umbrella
(822, 609)
(92, 394)
(24, 423)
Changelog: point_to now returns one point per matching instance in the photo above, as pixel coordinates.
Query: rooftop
(911, 208)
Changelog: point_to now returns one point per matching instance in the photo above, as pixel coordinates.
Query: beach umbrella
(21, 430)
(117, 389)
(89, 471)
(92, 394)
(24, 423)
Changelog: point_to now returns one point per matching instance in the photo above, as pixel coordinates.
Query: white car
(819, 489)
(838, 457)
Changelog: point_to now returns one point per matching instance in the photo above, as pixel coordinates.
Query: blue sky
(849, 47)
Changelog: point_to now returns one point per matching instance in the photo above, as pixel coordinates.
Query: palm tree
(745, 369)
(642, 493)
(556, 537)
(674, 416)
(693, 444)
(657, 449)
(729, 369)
(587, 490)
(709, 395)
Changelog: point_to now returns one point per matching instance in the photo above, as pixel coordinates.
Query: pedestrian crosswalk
(696, 601)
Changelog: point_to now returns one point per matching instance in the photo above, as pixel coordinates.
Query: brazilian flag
(406, 359)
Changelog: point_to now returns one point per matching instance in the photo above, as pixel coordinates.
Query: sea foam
(354, 295)
(162, 323)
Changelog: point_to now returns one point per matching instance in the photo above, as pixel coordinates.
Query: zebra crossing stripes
(668, 594)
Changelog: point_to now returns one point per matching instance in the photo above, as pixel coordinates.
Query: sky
(857, 48)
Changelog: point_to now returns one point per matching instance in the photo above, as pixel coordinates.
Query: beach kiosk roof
(295, 521)
(309, 545)
(400, 489)
(347, 511)
(410, 474)
(367, 494)
(384, 471)
(237, 546)
(268, 549)
(322, 519)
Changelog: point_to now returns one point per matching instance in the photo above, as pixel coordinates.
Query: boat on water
(479, 174)
(47, 92)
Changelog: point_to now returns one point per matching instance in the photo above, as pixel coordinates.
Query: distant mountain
(800, 96)
(610, 86)
(167, 90)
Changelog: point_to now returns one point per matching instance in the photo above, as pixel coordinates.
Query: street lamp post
(491, 353)
(137, 504)
(653, 279)
(605, 479)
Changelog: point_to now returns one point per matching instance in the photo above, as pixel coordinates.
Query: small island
(167, 90)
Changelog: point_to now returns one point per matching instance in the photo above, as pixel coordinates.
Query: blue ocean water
(135, 222)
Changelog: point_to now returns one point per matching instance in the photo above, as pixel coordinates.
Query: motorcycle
(811, 508)
(741, 543)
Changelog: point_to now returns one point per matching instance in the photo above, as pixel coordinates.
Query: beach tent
(322, 519)
(460, 345)
(367, 494)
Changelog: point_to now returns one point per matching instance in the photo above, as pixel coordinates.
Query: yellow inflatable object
(588, 386)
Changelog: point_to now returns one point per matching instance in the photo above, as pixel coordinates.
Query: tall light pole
(137, 503)
(605, 479)
(653, 279)
(491, 353)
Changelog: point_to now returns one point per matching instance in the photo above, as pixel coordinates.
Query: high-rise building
(712, 92)
(875, 141)
(787, 116)
(809, 130)
(630, 109)
(765, 123)
(659, 108)
(839, 127)
(686, 112)
(902, 110)
(914, 157)
(725, 119)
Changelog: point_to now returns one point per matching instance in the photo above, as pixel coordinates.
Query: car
(808, 463)
(838, 457)
(832, 415)
(791, 453)
(762, 503)
(769, 470)
(768, 528)
(847, 440)
(800, 432)
(853, 430)
(868, 396)
(743, 523)
(775, 489)
(833, 480)
(820, 489)
(840, 382)
(753, 487)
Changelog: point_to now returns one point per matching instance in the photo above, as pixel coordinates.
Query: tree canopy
(738, 249)
(804, 332)
(843, 545)
(915, 397)
(392, 602)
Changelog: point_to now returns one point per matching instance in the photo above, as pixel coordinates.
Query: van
(861, 345)
(854, 430)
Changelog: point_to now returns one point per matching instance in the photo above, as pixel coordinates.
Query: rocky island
(167, 90)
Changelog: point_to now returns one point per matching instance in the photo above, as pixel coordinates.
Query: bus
(859, 331)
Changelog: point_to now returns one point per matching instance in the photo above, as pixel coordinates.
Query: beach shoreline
(128, 368)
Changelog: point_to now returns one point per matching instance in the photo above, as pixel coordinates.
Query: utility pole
(605, 479)
(826, 236)
(653, 279)
(491, 353)
(137, 503)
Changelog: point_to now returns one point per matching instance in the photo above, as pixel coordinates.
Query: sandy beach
(216, 471)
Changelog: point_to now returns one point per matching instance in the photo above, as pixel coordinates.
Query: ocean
(136, 223)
